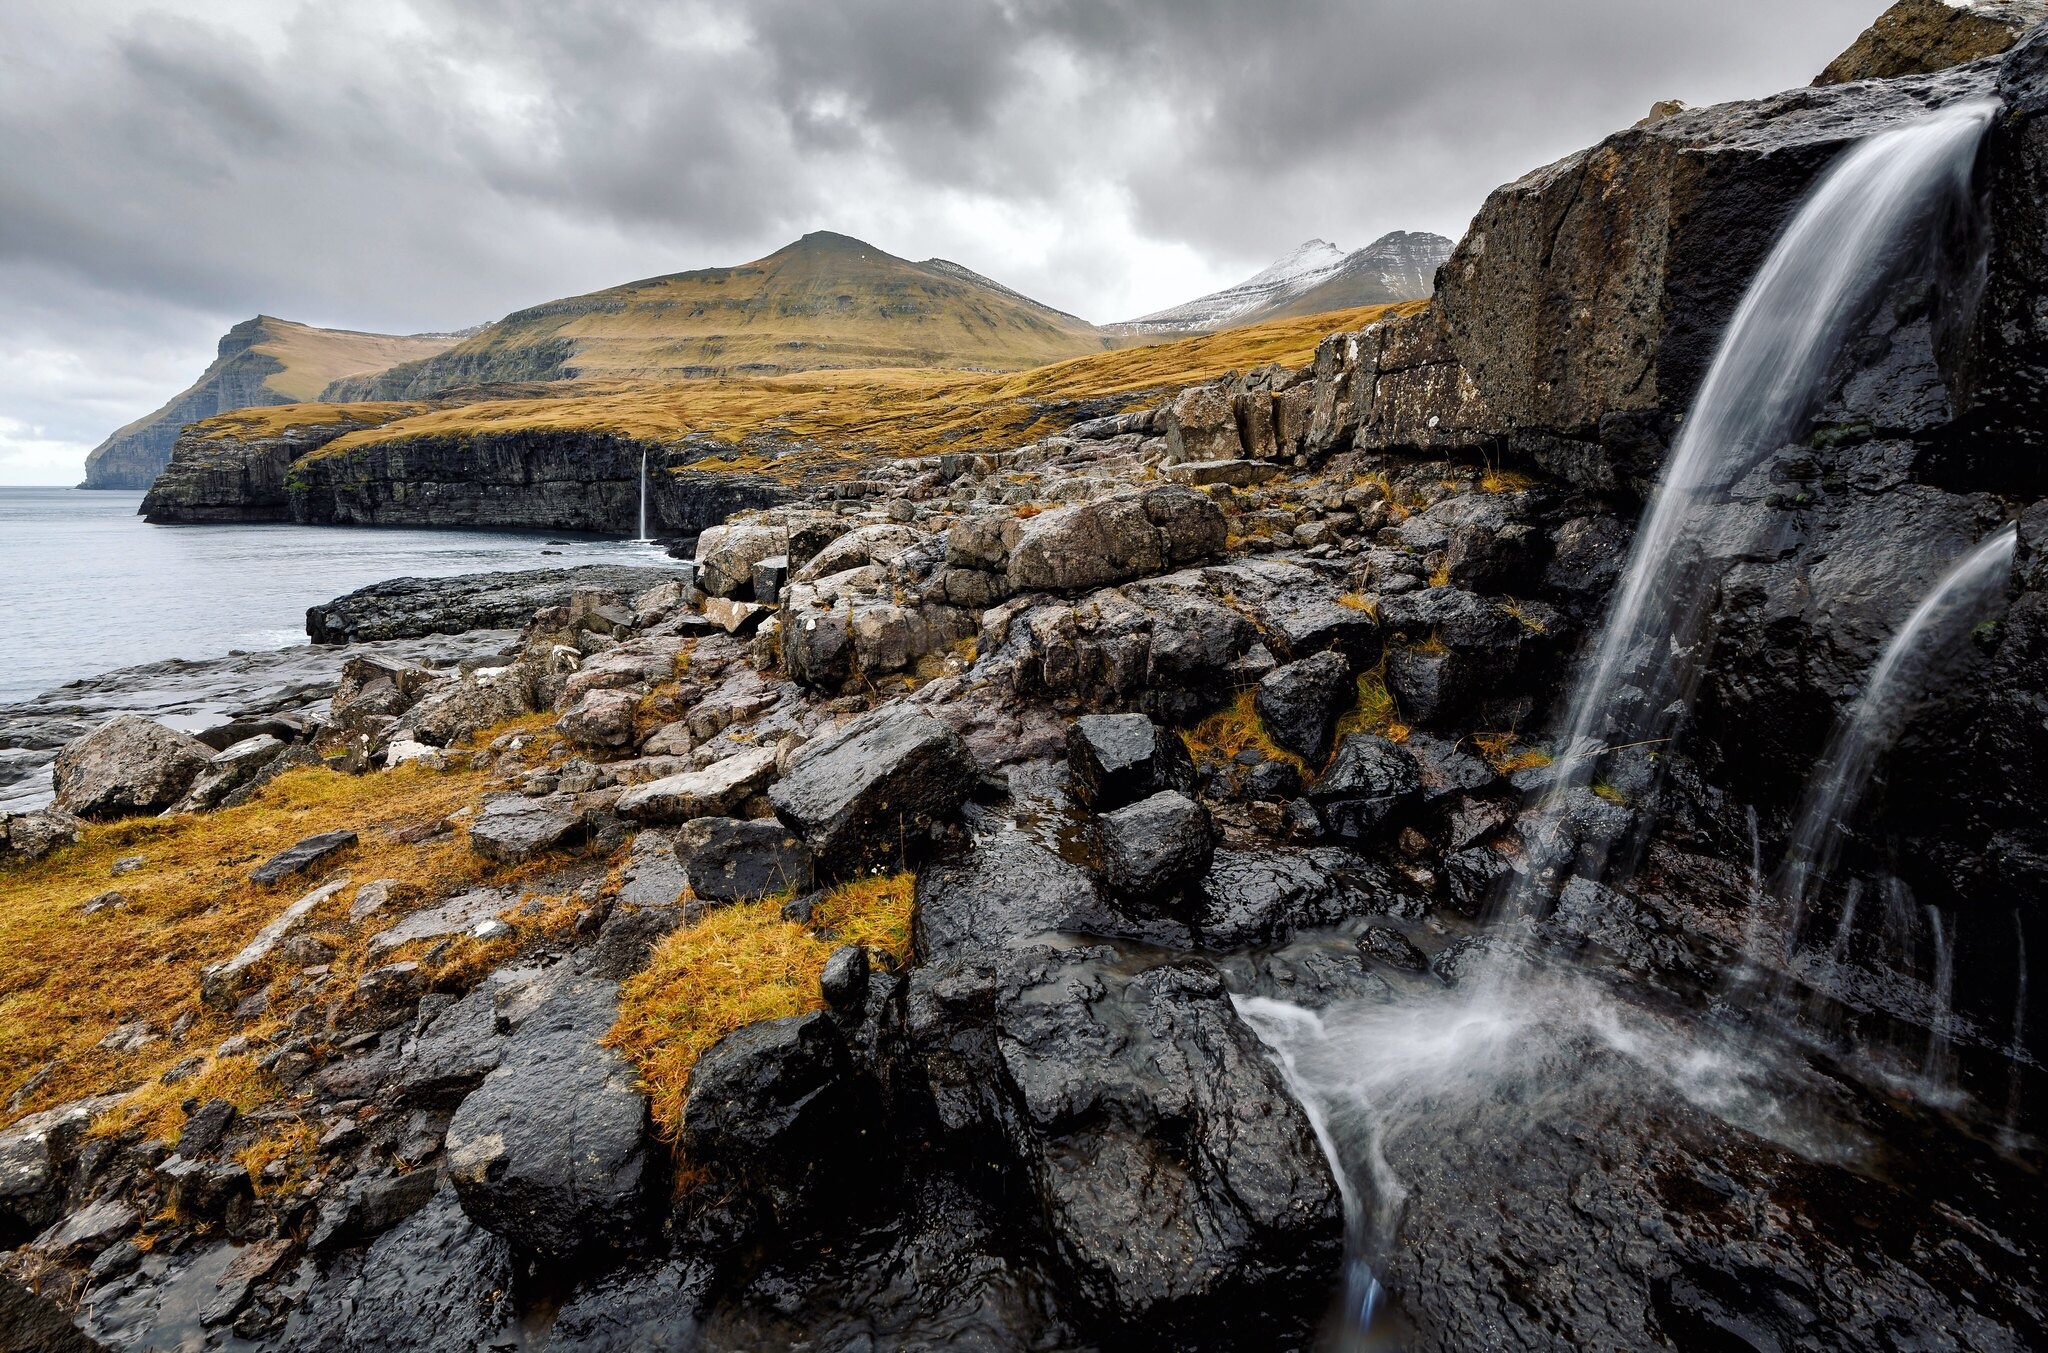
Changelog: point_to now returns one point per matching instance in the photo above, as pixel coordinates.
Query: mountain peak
(1311, 278)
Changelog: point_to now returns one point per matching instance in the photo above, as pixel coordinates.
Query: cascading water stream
(1371, 1073)
(1967, 594)
(643, 496)
(1872, 215)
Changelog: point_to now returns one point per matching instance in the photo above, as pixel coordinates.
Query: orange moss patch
(739, 965)
(68, 979)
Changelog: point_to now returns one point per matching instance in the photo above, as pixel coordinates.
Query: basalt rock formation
(1209, 731)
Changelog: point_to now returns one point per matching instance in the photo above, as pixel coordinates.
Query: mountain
(1315, 277)
(264, 360)
(825, 301)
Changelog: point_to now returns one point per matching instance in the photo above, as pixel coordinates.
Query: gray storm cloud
(422, 164)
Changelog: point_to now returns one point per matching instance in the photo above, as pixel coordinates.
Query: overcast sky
(405, 165)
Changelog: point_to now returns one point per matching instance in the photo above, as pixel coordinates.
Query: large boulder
(460, 706)
(1299, 703)
(1368, 782)
(711, 792)
(1576, 319)
(514, 829)
(772, 1104)
(1116, 759)
(862, 797)
(36, 1154)
(733, 860)
(1072, 549)
(1916, 37)
(434, 1281)
(553, 1150)
(1154, 846)
(28, 837)
(1167, 1163)
(126, 766)
(228, 770)
(726, 556)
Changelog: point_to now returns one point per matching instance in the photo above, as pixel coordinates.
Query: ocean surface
(87, 586)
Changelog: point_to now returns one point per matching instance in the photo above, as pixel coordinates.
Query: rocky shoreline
(1069, 802)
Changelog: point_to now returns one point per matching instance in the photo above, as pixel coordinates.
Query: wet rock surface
(411, 608)
(1199, 785)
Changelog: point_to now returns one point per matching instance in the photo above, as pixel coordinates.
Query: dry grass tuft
(1219, 738)
(1506, 754)
(1376, 710)
(739, 965)
(1523, 618)
(1359, 601)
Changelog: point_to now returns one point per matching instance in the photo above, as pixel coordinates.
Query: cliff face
(261, 362)
(549, 480)
(1577, 317)
(1914, 37)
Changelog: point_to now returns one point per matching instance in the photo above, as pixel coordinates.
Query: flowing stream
(1972, 590)
(1498, 1046)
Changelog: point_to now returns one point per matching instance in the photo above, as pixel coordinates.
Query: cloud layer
(404, 165)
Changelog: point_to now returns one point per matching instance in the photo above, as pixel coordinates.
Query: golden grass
(1236, 728)
(67, 979)
(1505, 753)
(1358, 601)
(295, 1144)
(1522, 617)
(1376, 710)
(840, 418)
(739, 965)
(314, 357)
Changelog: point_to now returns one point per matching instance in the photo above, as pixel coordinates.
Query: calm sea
(86, 586)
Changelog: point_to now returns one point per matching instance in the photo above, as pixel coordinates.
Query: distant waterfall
(1869, 217)
(643, 496)
(1969, 592)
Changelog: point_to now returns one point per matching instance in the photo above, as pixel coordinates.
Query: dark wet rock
(514, 829)
(1587, 556)
(1298, 609)
(1446, 767)
(307, 854)
(203, 1190)
(1152, 848)
(844, 982)
(436, 1281)
(552, 1150)
(1138, 1104)
(1003, 888)
(1117, 759)
(1369, 781)
(863, 796)
(128, 765)
(36, 1324)
(774, 1104)
(403, 608)
(627, 938)
(1089, 545)
(201, 1135)
(1384, 944)
(455, 1046)
(734, 860)
(1271, 779)
(1263, 897)
(638, 1308)
(1918, 37)
(1311, 972)
(1512, 354)
(1299, 703)
(86, 1233)
(369, 1206)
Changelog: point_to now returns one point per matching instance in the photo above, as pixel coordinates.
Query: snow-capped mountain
(1312, 278)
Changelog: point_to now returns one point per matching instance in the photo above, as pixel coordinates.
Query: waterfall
(643, 495)
(1869, 217)
(1965, 595)
(1372, 1074)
